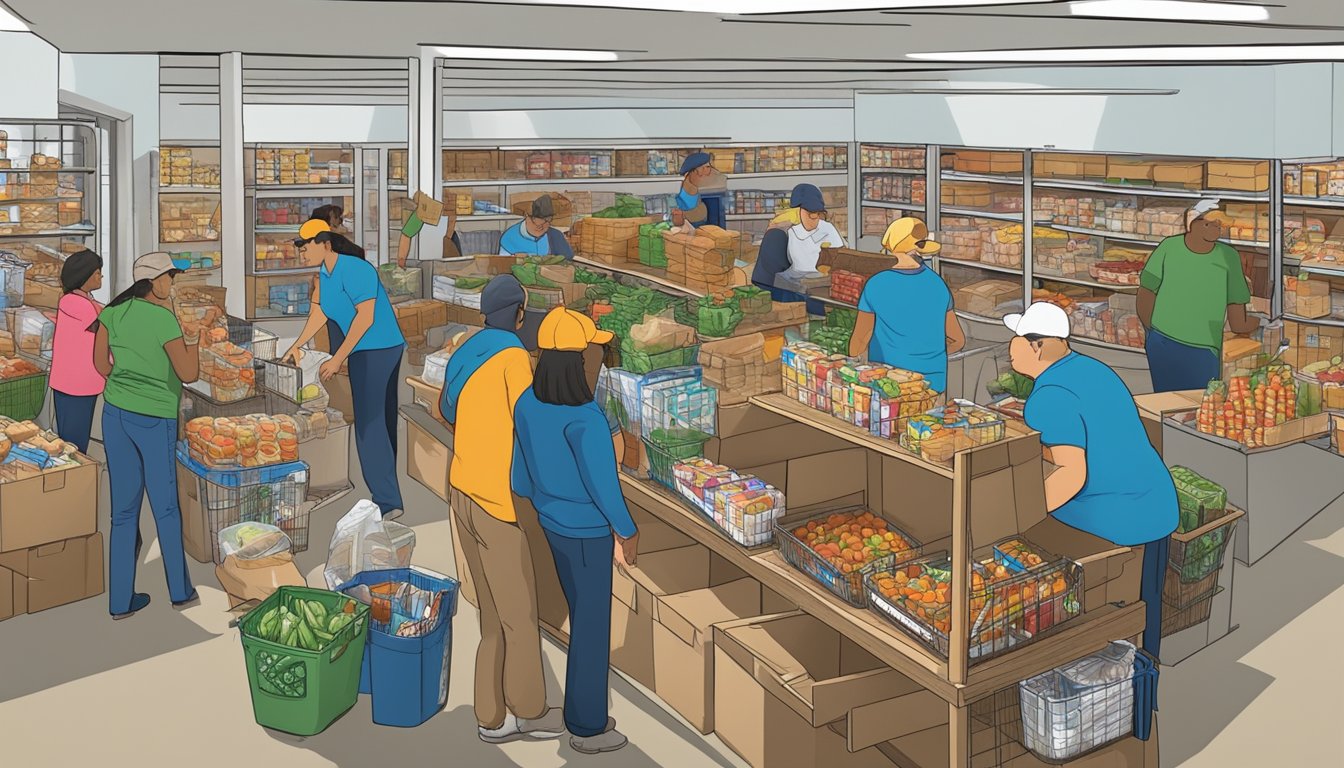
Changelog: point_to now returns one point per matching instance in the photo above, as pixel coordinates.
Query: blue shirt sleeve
(686, 201)
(1055, 413)
(360, 281)
(521, 479)
(591, 443)
(560, 244)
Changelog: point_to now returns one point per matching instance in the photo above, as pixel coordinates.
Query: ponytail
(138, 290)
(341, 244)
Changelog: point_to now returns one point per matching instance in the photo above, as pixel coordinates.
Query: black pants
(1155, 554)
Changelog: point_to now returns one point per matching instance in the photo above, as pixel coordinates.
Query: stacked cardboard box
(696, 262)
(892, 157)
(417, 316)
(963, 195)
(1129, 169)
(738, 368)
(471, 164)
(976, 161)
(1315, 180)
(1239, 175)
(50, 550)
(1188, 175)
(1048, 164)
(985, 297)
(180, 167)
(608, 240)
(184, 218)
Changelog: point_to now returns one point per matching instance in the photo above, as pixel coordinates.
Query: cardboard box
(683, 653)
(1185, 174)
(427, 396)
(50, 575)
(779, 680)
(1129, 169)
(983, 298)
(1067, 165)
(1238, 183)
(636, 591)
(429, 452)
(1153, 406)
(53, 506)
(328, 459)
(41, 293)
(1240, 169)
(858, 262)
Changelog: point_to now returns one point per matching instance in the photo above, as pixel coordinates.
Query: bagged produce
(660, 334)
(718, 317)
(257, 578)
(252, 541)
(626, 207)
(753, 300)
(361, 542)
(1201, 500)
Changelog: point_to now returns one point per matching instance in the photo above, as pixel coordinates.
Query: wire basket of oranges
(835, 547)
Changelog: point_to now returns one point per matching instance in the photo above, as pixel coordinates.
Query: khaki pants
(508, 661)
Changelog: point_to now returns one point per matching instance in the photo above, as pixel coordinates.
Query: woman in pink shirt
(75, 383)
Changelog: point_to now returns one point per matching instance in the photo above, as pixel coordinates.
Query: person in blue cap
(793, 248)
(534, 235)
(1110, 481)
(695, 172)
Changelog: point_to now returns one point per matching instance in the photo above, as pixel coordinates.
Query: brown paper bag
(245, 580)
(428, 209)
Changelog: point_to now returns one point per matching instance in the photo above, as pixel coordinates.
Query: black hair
(341, 244)
(138, 290)
(78, 268)
(560, 378)
(325, 212)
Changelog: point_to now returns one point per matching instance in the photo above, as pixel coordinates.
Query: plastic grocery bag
(361, 543)
(253, 541)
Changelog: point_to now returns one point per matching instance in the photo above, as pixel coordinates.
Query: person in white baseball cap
(1111, 482)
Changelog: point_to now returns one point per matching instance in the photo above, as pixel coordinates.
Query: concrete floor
(77, 689)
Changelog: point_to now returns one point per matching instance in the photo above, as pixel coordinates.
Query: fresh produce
(1201, 500)
(304, 624)
(14, 367)
(753, 300)
(471, 283)
(718, 316)
(1017, 555)
(1011, 383)
(1203, 556)
(626, 207)
(1243, 407)
(850, 541)
(833, 340)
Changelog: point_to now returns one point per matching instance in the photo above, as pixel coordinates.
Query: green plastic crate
(21, 398)
(638, 362)
(327, 680)
(652, 251)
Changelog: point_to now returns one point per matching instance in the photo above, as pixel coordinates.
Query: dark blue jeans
(814, 307)
(1155, 554)
(1175, 366)
(140, 458)
(373, 389)
(584, 568)
(74, 418)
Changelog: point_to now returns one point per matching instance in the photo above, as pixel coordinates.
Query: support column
(428, 119)
(232, 233)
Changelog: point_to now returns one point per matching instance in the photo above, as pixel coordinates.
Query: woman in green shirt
(145, 355)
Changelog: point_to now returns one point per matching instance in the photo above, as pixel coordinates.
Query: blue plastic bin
(408, 676)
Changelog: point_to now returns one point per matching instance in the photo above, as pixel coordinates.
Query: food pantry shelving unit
(186, 206)
(1313, 259)
(283, 184)
(1095, 219)
(488, 186)
(49, 190)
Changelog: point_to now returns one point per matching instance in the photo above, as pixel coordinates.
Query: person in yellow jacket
(484, 379)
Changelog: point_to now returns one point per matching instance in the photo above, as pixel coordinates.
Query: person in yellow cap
(363, 330)
(564, 463)
(906, 319)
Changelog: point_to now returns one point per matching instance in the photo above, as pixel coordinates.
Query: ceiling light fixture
(1170, 10)
(524, 54)
(10, 22)
(1220, 53)
(769, 7)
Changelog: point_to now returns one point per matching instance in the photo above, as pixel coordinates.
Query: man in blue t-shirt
(1111, 482)
(534, 235)
(906, 319)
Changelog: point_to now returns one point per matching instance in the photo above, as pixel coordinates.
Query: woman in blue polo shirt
(906, 318)
(363, 330)
(1111, 482)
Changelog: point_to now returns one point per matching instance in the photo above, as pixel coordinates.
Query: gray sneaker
(610, 741)
(549, 726)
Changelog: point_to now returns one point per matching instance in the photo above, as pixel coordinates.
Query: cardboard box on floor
(54, 506)
(429, 451)
(50, 575)
(328, 458)
(779, 680)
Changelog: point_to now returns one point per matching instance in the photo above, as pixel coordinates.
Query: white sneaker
(549, 726)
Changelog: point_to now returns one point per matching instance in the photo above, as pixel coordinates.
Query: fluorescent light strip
(1221, 53)
(523, 54)
(1170, 10)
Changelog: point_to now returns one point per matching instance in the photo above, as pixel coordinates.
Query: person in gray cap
(484, 379)
(792, 250)
(534, 235)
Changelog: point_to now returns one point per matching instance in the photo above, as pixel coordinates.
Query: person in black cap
(534, 235)
(483, 381)
(792, 246)
(695, 172)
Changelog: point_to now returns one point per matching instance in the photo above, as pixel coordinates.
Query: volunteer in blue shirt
(793, 251)
(696, 171)
(906, 319)
(534, 235)
(565, 464)
(365, 334)
(1111, 482)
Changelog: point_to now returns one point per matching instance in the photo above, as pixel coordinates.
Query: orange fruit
(929, 597)
(866, 533)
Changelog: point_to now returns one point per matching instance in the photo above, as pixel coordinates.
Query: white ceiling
(660, 49)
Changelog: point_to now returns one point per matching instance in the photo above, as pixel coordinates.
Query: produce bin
(22, 397)
(408, 676)
(215, 499)
(1196, 554)
(639, 362)
(1201, 500)
(666, 447)
(1000, 619)
(848, 586)
(1083, 706)
(323, 684)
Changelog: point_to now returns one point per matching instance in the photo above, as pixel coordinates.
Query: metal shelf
(277, 229)
(1014, 218)
(1315, 202)
(750, 216)
(902, 171)
(71, 169)
(455, 183)
(982, 178)
(188, 190)
(1085, 283)
(1127, 189)
(1331, 321)
(1128, 238)
(272, 190)
(892, 206)
(170, 244)
(488, 217)
(1106, 345)
(14, 200)
(1325, 271)
(980, 265)
(90, 232)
